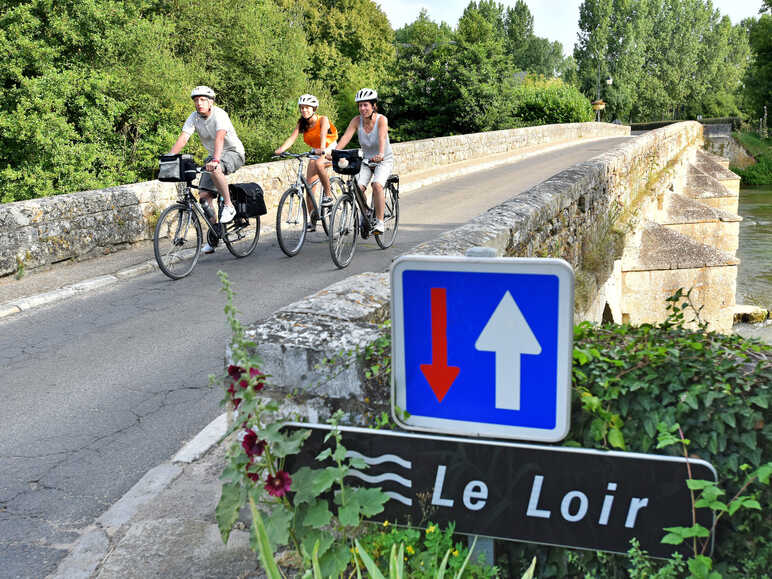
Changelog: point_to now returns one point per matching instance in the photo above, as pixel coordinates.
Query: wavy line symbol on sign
(385, 476)
(508, 335)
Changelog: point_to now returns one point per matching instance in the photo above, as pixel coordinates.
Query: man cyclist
(321, 135)
(373, 133)
(226, 152)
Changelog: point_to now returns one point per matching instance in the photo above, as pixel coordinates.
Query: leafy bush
(549, 102)
(630, 380)
(761, 172)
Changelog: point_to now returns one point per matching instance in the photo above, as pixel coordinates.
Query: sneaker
(311, 225)
(228, 213)
(208, 249)
(378, 229)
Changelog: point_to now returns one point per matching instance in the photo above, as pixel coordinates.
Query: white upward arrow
(508, 335)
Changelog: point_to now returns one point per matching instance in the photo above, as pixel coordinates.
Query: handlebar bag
(176, 168)
(352, 163)
(248, 199)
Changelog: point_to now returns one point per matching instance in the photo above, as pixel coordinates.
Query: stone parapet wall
(565, 216)
(82, 225)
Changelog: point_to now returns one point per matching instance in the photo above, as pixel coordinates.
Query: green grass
(761, 172)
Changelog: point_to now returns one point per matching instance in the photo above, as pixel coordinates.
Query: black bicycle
(292, 216)
(178, 233)
(352, 216)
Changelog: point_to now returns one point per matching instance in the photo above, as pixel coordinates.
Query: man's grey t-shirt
(207, 130)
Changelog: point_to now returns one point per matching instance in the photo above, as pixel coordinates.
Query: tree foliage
(758, 79)
(667, 58)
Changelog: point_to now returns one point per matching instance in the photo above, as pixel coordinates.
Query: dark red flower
(243, 383)
(252, 446)
(254, 476)
(235, 372)
(236, 402)
(254, 373)
(277, 486)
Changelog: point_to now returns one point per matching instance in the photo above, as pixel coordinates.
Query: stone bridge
(653, 215)
(656, 214)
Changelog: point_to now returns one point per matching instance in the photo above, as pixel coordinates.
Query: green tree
(518, 24)
(351, 45)
(420, 93)
(758, 79)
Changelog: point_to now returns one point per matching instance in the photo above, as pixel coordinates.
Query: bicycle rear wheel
(344, 230)
(241, 235)
(291, 221)
(390, 219)
(177, 241)
(337, 190)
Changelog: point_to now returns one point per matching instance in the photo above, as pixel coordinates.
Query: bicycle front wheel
(177, 241)
(390, 219)
(291, 222)
(344, 230)
(241, 235)
(337, 190)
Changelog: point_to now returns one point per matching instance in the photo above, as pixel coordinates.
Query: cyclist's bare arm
(180, 143)
(288, 143)
(352, 126)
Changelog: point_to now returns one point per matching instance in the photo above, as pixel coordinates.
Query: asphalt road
(98, 389)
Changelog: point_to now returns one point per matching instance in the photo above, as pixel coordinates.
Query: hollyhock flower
(252, 446)
(254, 476)
(279, 485)
(235, 372)
(254, 373)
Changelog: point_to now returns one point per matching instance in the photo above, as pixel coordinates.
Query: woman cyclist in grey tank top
(373, 133)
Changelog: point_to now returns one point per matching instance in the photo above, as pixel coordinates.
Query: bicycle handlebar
(286, 155)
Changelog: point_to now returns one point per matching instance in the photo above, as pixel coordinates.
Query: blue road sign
(482, 346)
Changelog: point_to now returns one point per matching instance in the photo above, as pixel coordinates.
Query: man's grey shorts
(229, 162)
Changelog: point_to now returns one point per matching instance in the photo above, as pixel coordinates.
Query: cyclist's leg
(229, 163)
(318, 168)
(380, 174)
(206, 194)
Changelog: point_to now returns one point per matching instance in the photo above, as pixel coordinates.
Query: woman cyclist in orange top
(322, 136)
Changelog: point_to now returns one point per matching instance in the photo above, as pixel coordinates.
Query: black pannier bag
(347, 162)
(247, 199)
(176, 168)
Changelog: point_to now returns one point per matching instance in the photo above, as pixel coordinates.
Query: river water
(754, 276)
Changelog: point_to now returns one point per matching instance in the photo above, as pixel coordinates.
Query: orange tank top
(311, 136)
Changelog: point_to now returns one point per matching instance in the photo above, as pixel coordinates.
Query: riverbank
(759, 173)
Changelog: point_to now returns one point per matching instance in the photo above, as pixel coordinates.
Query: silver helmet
(366, 94)
(308, 100)
(202, 91)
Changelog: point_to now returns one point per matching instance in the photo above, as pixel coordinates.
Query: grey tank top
(369, 141)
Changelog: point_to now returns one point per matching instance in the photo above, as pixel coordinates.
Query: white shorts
(382, 172)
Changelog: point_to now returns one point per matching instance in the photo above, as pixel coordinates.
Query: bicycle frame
(302, 183)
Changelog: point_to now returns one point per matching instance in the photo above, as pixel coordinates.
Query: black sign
(552, 495)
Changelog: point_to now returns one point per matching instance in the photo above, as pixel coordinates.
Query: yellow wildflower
(385, 523)
(455, 552)
(410, 549)
(431, 529)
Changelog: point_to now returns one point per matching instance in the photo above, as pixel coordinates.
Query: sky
(552, 19)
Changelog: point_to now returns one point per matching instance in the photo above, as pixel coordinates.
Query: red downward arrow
(439, 375)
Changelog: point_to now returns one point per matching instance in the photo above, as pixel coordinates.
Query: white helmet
(202, 91)
(366, 94)
(308, 100)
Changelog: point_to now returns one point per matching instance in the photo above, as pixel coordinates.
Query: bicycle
(292, 214)
(352, 216)
(177, 236)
